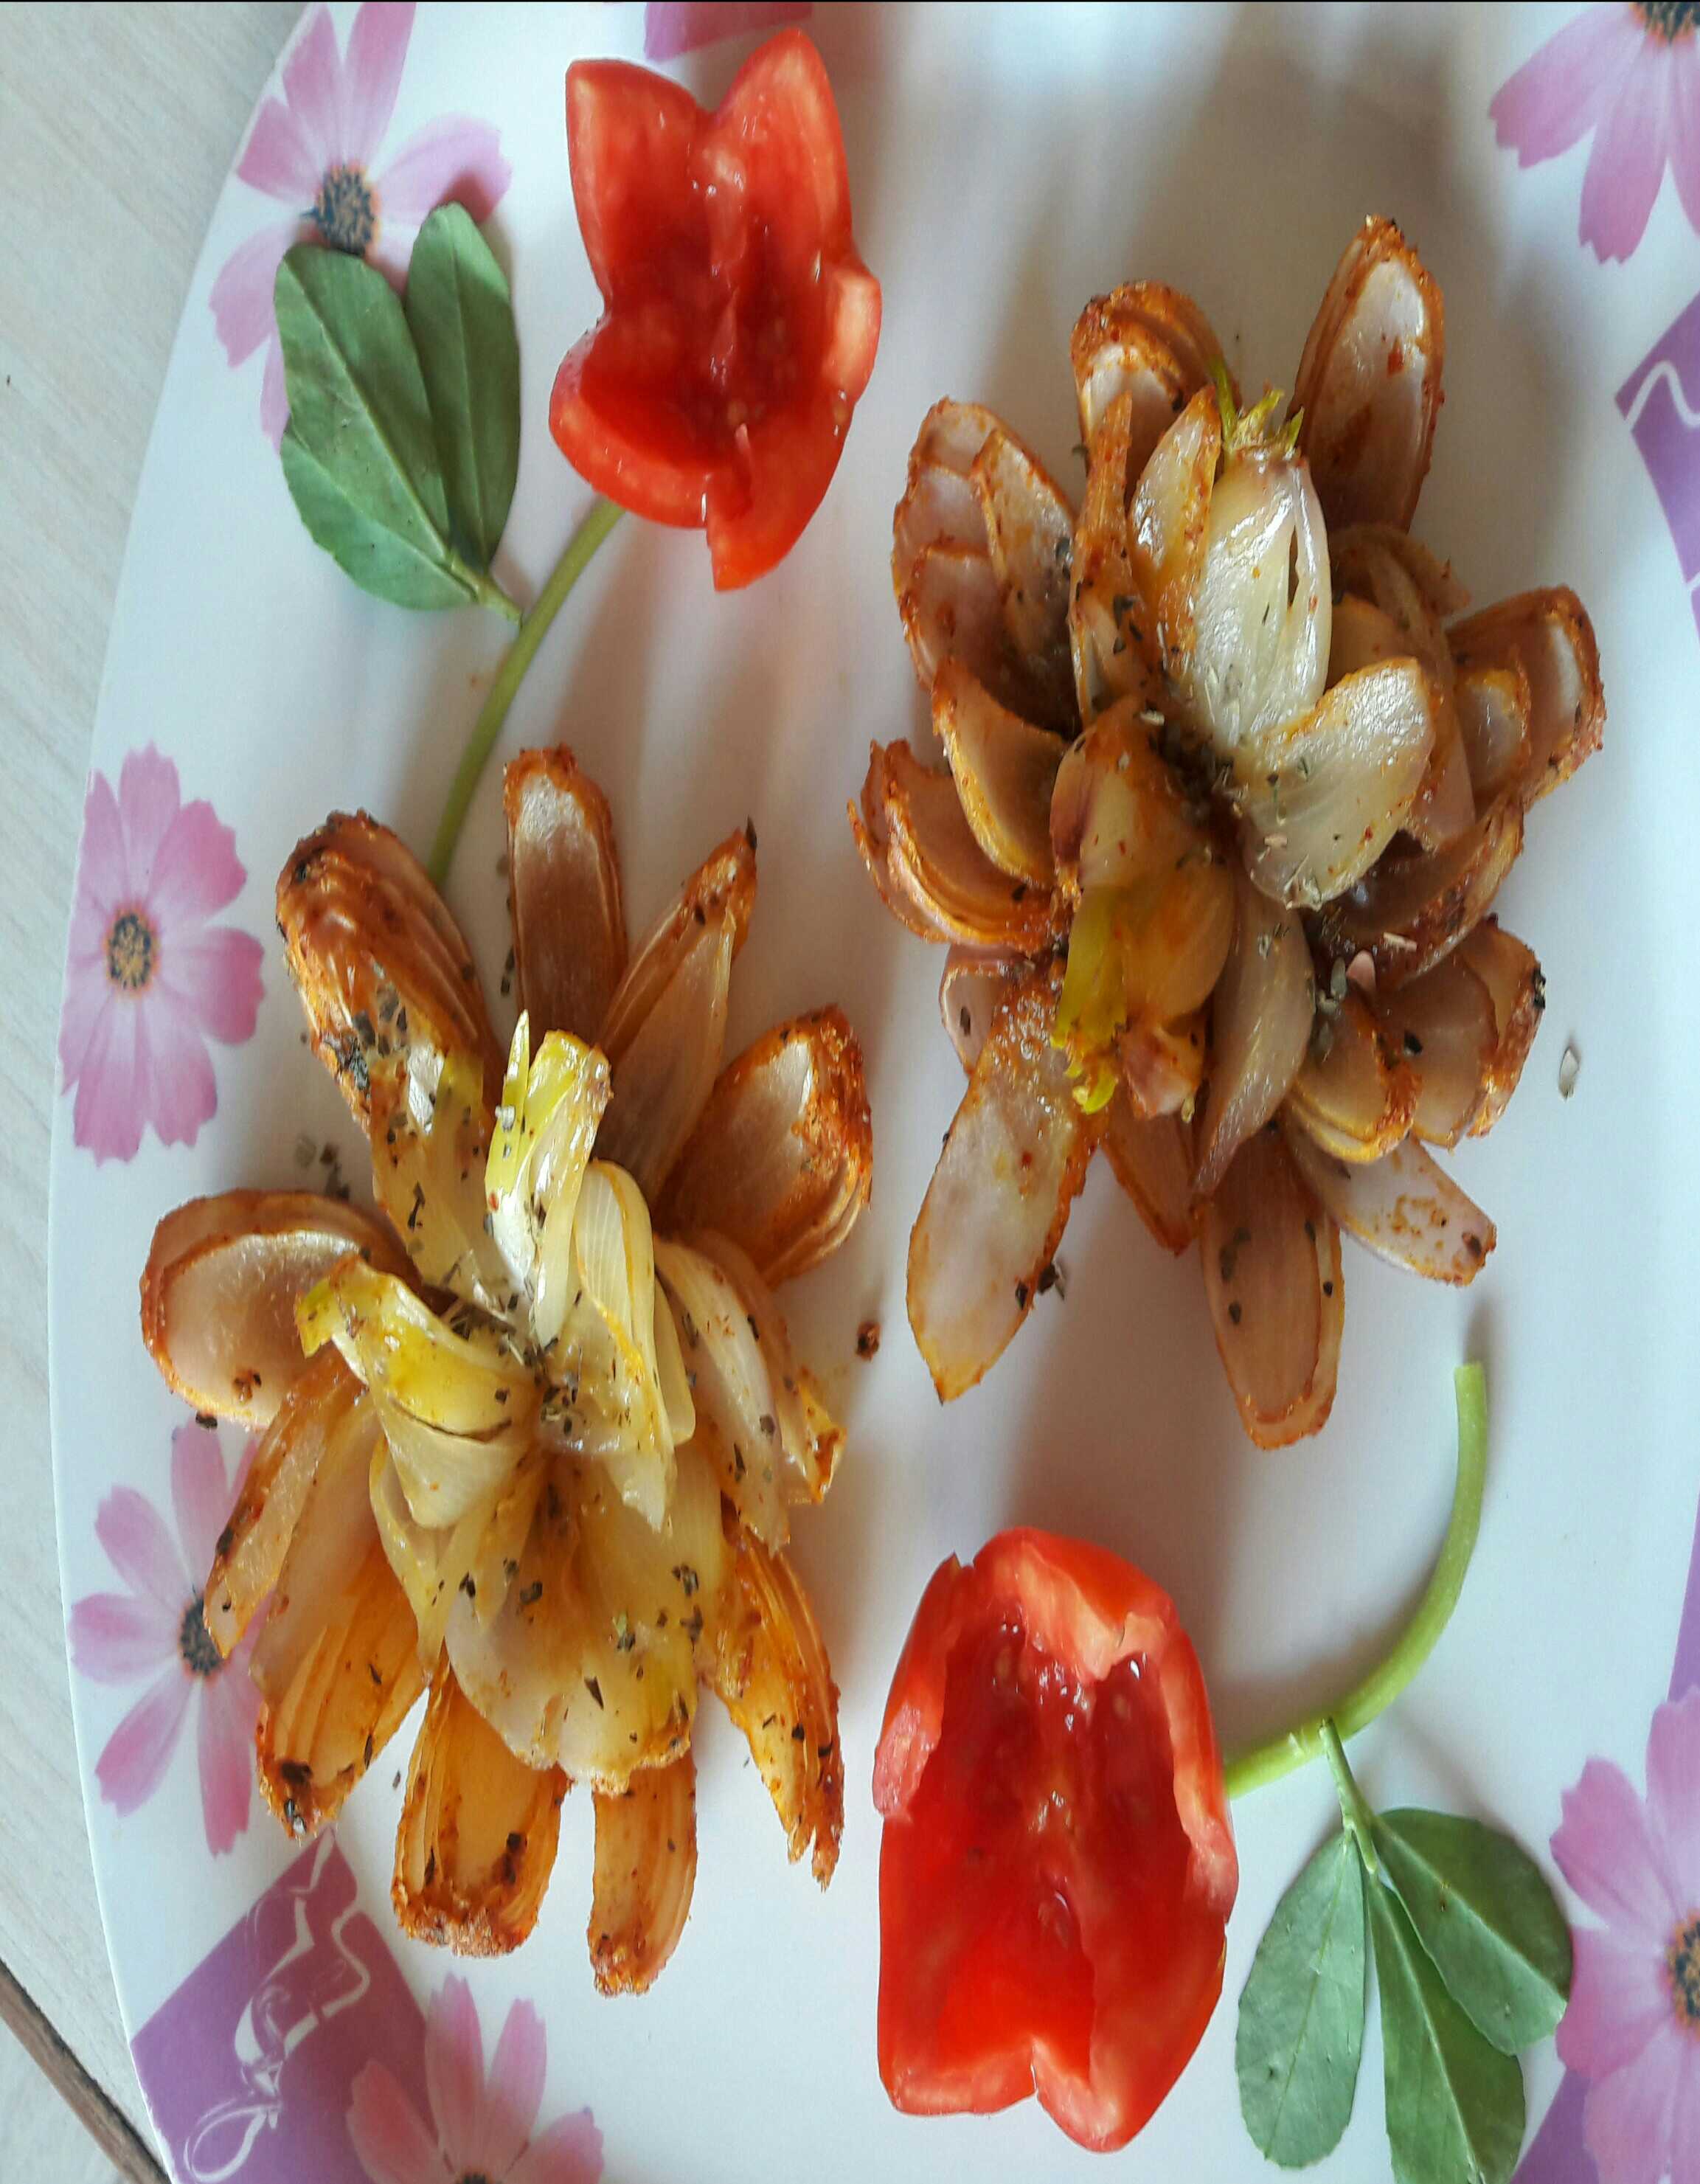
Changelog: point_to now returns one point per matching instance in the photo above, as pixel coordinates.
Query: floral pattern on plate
(478, 2129)
(315, 147)
(1631, 76)
(155, 1629)
(149, 978)
(1660, 400)
(673, 27)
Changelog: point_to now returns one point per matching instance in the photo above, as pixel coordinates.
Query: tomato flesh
(740, 325)
(1051, 1920)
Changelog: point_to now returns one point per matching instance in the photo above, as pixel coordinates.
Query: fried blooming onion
(1229, 791)
(522, 1447)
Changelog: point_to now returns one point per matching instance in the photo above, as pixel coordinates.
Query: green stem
(1279, 1755)
(1353, 1808)
(533, 626)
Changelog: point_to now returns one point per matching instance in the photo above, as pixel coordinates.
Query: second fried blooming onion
(524, 1444)
(1228, 791)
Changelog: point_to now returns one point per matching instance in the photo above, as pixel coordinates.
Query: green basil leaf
(1301, 2029)
(1483, 1911)
(359, 454)
(1454, 2103)
(462, 321)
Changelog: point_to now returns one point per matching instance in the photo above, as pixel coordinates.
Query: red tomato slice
(1058, 1867)
(740, 325)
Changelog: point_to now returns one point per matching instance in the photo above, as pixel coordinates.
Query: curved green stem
(1279, 1755)
(534, 626)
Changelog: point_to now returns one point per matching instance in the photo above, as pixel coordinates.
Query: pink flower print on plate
(154, 1633)
(149, 978)
(1632, 2029)
(1631, 76)
(314, 150)
(478, 2129)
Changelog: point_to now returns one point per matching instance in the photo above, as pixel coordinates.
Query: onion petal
(781, 1160)
(1152, 1160)
(1518, 992)
(1368, 383)
(325, 1404)
(1029, 524)
(1494, 711)
(767, 1665)
(476, 1842)
(1322, 796)
(972, 985)
(1272, 1279)
(1014, 1160)
(1261, 1018)
(1358, 1097)
(935, 860)
(564, 888)
(1444, 1021)
(1410, 912)
(644, 1873)
(220, 1288)
(1405, 1209)
(1549, 635)
(1168, 524)
(872, 839)
(1004, 769)
(382, 970)
(736, 1409)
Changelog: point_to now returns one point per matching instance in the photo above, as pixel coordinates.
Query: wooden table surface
(117, 125)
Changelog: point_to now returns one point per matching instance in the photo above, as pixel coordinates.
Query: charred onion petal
(381, 968)
(1029, 524)
(1273, 1280)
(1150, 342)
(645, 1872)
(1443, 809)
(1549, 635)
(1322, 797)
(1013, 1163)
(1005, 770)
(952, 609)
(1364, 635)
(935, 860)
(1518, 992)
(1443, 1022)
(476, 1842)
(1408, 913)
(325, 1404)
(1494, 709)
(1108, 642)
(430, 1144)
(940, 507)
(338, 1661)
(1261, 1018)
(1358, 1095)
(1368, 382)
(1168, 521)
(791, 1436)
(781, 1160)
(1359, 552)
(219, 1292)
(1162, 1065)
(1405, 1209)
(767, 1665)
(969, 991)
(563, 891)
(1152, 1160)
(873, 844)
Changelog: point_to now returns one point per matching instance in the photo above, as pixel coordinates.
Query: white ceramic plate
(1007, 163)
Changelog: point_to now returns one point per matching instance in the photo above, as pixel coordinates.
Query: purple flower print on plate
(1631, 76)
(155, 1630)
(149, 978)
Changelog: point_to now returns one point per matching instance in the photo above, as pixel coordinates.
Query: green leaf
(1483, 1911)
(1454, 2103)
(1301, 2029)
(360, 455)
(462, 321)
